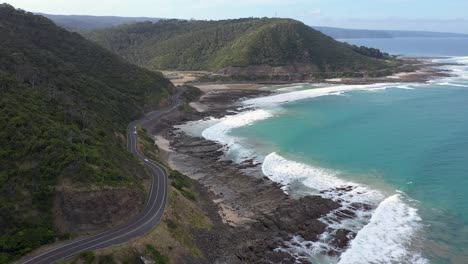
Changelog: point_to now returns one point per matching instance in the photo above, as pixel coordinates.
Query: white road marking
(131, 140)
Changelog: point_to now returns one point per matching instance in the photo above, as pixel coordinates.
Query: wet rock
(342, 238)
(280, 257)
(361, 206)
(344, 214)
(273, 216)
(304, 261)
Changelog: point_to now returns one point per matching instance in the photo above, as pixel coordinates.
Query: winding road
(138, 226)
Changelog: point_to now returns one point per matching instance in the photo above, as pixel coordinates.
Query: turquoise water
(415, 141)
(412, 143)
(402, 147)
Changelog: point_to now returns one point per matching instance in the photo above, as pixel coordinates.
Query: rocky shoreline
(254, 220)
(413, 70)
(253, 217)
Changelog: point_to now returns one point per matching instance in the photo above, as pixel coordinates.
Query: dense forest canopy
(64, 105)
(213, 45)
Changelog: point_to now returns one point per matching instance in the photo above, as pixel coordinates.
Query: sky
(431, 15)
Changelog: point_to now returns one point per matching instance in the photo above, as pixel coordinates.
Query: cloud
(316, 11)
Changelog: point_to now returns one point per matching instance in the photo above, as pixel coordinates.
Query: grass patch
(172, 240)
(156, 255)
(106, 259)
(182, 234)
(86, 257)
(185, 108)
(192, 93)
(188, 194)
(179, 180)
(183, 184)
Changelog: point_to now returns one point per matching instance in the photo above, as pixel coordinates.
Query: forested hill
(65, 103)
(214, 45)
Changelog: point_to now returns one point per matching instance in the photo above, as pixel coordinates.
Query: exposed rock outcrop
(262, 217)
(88, 211)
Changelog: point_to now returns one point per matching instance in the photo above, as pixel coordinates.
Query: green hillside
(65, 103)
(213, 45)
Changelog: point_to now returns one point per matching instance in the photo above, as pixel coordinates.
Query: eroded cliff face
(79, 211)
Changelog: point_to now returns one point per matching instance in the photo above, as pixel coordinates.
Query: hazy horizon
(366, 14)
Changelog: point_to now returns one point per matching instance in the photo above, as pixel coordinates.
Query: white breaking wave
(285, 172)
(387, 237)
(196, 128)
(289, 88)
(300, 86)
(460, 71)
(452, 84)
(404, 221)
(407, 86)
(312, 93)
(220, 133)
(462, 60)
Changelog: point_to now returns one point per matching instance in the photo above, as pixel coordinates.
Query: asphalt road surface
(140, 225)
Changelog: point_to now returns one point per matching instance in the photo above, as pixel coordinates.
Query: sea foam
(459, 72)
(286, 172)
(282, 98)
(385, 238)
(390, 215)
(196, 128)
(232, 145)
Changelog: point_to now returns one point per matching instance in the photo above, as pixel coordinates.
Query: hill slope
(65, 103)
(343, 33)
(215, 45)
(78, 22)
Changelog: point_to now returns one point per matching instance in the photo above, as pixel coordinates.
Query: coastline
(260, 214)
(205, 136)
(263, 217)
(265, 222)
(422, 70)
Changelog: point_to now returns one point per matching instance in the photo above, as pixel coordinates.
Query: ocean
(425, 47)
(401, 148)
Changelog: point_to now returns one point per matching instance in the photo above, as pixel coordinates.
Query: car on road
(135, 133)
(146, 160)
